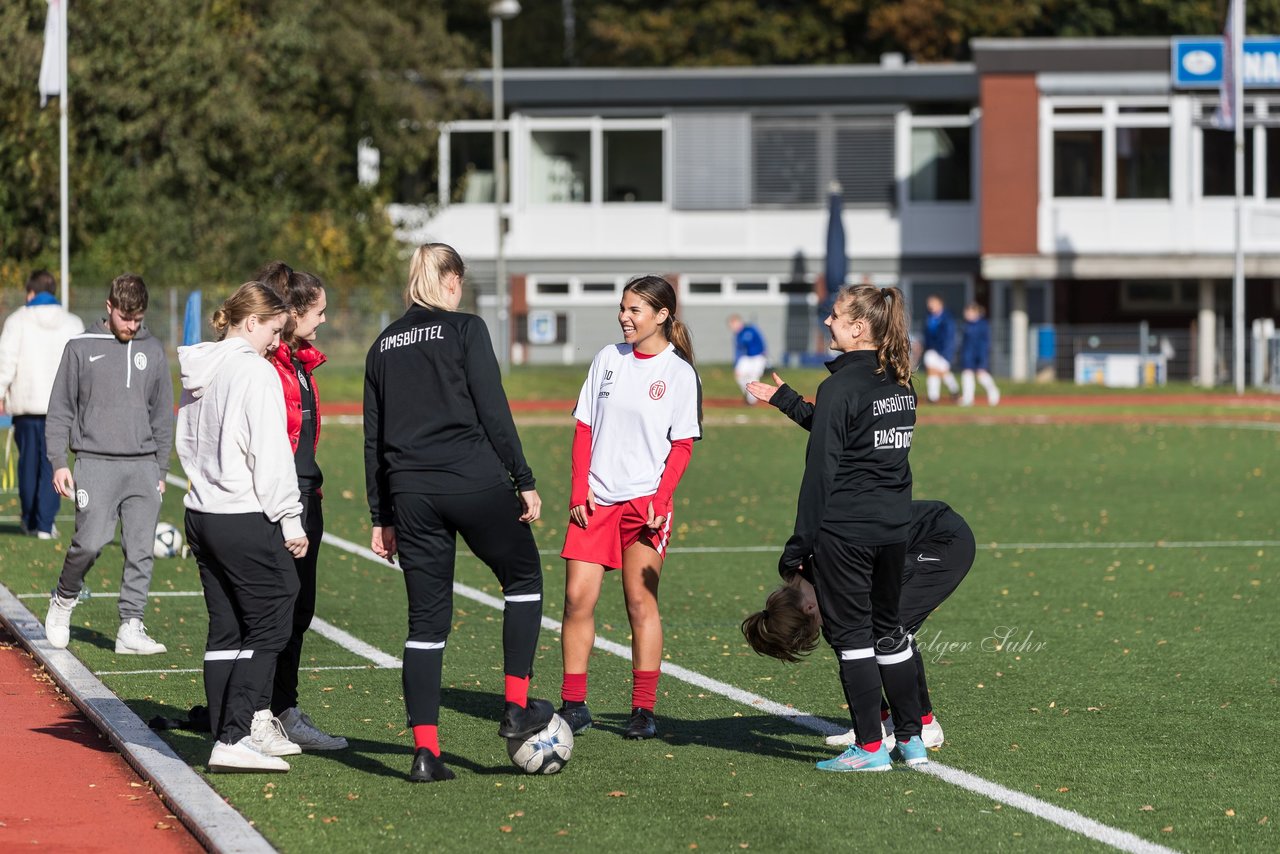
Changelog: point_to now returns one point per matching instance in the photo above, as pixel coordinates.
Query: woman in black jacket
(442, 457)
(854, 513)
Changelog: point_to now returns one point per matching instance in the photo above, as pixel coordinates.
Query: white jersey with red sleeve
(636, 408)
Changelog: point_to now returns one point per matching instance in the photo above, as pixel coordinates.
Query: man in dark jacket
(112, 404)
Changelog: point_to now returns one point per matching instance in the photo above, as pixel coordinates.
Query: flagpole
(1237, 290)
(62, 172)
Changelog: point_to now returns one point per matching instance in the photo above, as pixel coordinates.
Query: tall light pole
(499, 11)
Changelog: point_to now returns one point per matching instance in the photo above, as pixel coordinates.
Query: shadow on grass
(93, 637)
(757, 735)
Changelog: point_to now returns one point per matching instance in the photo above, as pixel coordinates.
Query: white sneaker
(302, 732)
(57, 623)
(267, 736)
(847, 738)
(132, 639)
(931, 733)
(242, 757)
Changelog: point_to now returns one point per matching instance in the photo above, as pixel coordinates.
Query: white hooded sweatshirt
(30, 350)
(232, 438)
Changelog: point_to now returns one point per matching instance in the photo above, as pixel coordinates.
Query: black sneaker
(522, 723)
(429, 768)
(642, 724)
(577, 716)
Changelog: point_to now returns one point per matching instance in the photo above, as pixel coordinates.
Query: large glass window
(940, 159)
(1142, 163)
(633, 166)
(560, 166)
(1077, 163)
(471, 167)
(1218, 158)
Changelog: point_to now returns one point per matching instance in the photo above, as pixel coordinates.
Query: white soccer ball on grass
(544, 752)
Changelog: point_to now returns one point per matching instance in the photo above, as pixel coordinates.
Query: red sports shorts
(611, 530)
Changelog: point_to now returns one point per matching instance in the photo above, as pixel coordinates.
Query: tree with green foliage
(670, 33)
(210, 135)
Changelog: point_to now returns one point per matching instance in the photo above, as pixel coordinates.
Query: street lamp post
(499, 11)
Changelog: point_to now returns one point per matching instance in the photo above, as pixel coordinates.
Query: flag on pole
(1225, 116)
(52, 66)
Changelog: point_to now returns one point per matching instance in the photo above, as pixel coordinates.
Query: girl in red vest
(296, 359)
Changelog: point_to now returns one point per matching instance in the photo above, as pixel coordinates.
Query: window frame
(1068, 112)
(909, 123)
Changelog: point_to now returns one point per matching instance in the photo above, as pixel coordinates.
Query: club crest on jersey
(140, 361)
(657, 390)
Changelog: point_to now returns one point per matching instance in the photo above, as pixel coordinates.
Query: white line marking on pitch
(1073, 821)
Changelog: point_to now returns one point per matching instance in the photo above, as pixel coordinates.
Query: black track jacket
(857, 480)
(436, 419)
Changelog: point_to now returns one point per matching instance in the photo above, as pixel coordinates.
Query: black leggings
(284, 692)
(427, 527)
(249, 588)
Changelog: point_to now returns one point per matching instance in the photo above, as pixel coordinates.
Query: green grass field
(1133, 687)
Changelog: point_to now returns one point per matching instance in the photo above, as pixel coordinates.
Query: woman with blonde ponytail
(853, 516)
(638, 414)
(442, 458)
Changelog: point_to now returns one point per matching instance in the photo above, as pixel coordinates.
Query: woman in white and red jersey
(638, 414)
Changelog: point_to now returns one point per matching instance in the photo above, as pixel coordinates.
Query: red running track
(63, 787)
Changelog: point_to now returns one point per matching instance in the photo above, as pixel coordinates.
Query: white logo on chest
(140, 361)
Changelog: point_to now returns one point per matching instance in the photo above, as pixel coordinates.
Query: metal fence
(1052, 350)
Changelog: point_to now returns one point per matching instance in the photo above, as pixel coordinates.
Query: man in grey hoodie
(112, 403)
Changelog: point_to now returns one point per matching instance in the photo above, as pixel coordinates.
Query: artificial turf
(1129, 683)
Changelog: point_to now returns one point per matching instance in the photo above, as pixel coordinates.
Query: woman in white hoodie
(243, 521)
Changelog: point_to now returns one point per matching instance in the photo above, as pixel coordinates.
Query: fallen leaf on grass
(1168, 829)
(1231, 812)
(1064, 789)
(617, 794)
(506, 828)
(1147, 808)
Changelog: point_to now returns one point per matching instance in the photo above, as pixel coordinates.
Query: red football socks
(872, 747)
(573, 689)
(644, 690)
(518, 690)
(427, 736)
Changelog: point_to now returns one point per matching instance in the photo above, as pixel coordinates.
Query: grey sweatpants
(107, 490)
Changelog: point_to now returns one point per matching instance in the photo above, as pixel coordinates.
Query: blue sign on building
(1197, 62)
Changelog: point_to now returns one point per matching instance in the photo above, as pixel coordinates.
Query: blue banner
(191, 323)
(1196, 63)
